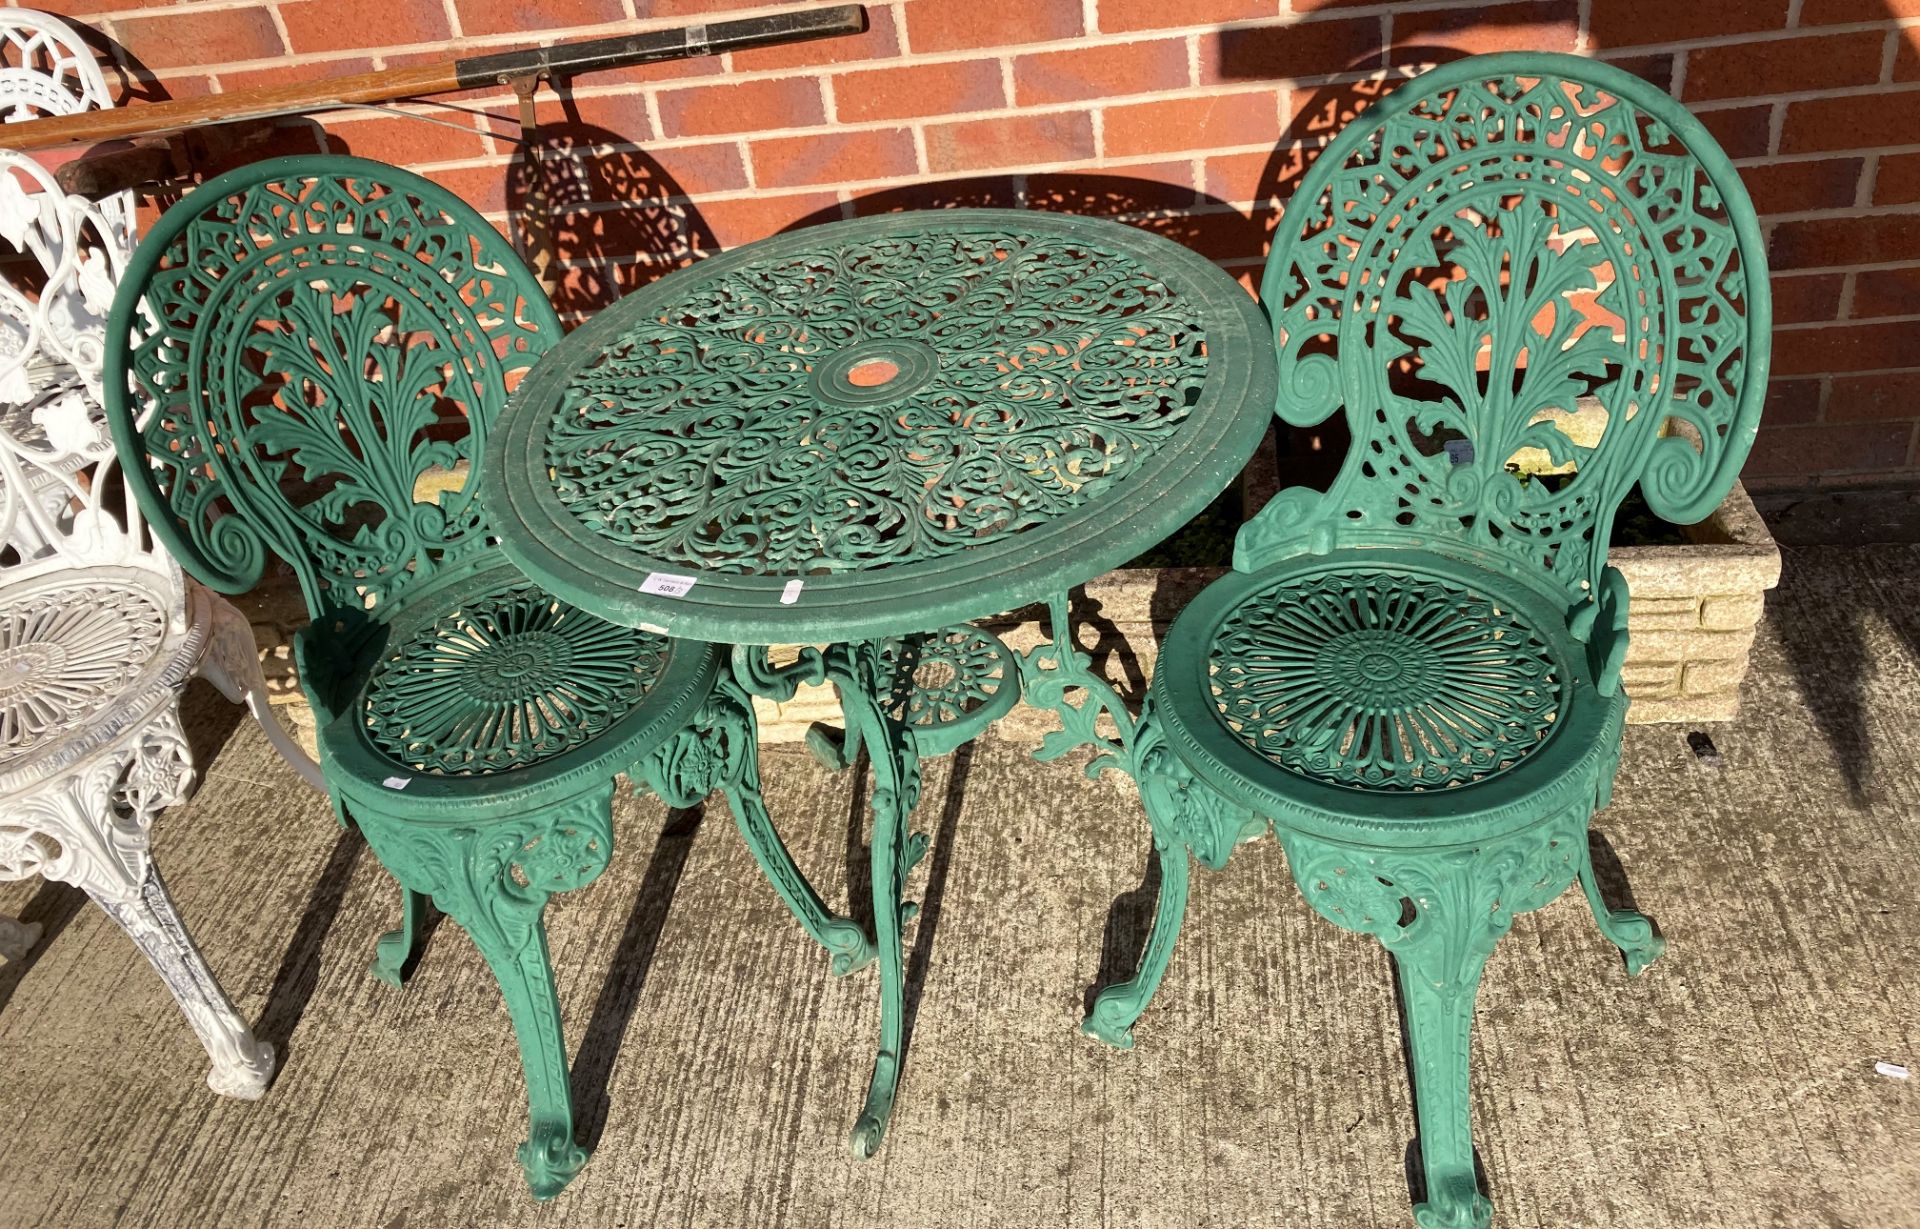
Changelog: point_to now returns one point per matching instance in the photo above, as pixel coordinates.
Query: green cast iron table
(863, 434)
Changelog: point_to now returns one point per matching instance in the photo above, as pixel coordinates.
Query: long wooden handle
(387, 85)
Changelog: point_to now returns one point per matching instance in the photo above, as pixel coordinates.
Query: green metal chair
(1529, 282)
(303, 362)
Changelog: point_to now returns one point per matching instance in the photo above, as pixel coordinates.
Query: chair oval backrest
(46, 69)
(309, 352)
(1530, 281)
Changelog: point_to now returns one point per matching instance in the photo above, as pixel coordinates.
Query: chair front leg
(89, 828)
(1440, 912)
(494, 880)
(242, 1065)
(1189, 819)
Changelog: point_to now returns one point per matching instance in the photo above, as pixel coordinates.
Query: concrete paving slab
(720, 1065)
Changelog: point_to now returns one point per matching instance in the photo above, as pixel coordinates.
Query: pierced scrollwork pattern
(890, 400)
(511, 678)
(1384, 680)
(1528, 292)
(322, 354)
(948, 686)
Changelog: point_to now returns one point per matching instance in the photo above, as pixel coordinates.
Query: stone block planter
(1693, 615)
(1694, 610)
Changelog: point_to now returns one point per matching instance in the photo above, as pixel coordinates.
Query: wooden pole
(389, 85)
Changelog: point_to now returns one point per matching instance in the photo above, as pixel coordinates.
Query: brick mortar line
(1040, 168)
(1905, 266)
(1824, 155)
(1844, 213)
(1844, 375)
(1630, 51)
(279, 26)
(910, 58)
(731, 195)
(1810, 325)
(1783, 97)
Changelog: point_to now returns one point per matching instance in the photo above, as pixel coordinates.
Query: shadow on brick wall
(1207, 225)
(618, 219)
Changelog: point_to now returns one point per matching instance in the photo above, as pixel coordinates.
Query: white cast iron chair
(99, 631)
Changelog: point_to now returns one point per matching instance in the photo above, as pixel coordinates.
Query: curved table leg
(719, 750)
(845, 939)
(855, 671)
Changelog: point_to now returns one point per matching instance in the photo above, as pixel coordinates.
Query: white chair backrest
(45, 68)
(60, 501)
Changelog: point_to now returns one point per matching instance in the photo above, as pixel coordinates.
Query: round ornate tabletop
(880, 426)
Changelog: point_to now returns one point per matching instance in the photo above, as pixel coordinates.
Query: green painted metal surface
(921, 418)
(857, 436)
(1528, 282)
(304, 354)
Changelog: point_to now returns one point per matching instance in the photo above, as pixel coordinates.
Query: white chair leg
(16, 937)
(88, 827)
(242, 1065)
(232, 664)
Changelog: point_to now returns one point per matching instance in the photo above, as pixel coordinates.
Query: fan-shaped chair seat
(486, 684)
(84, 656)
(1365, 693)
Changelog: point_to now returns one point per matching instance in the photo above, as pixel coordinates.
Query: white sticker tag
(1891, 1070)
(791, 594)
(666, 584)
(397, 782)
(655, 628)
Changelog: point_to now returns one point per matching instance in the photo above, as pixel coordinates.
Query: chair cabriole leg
(232, 665)
(1119, 1006)
(242, 1065)
(394, 949)
(493, 880)
(1440, 912)
(1626, 929)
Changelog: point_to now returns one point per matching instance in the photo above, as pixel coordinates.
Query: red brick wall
(1193, 117)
